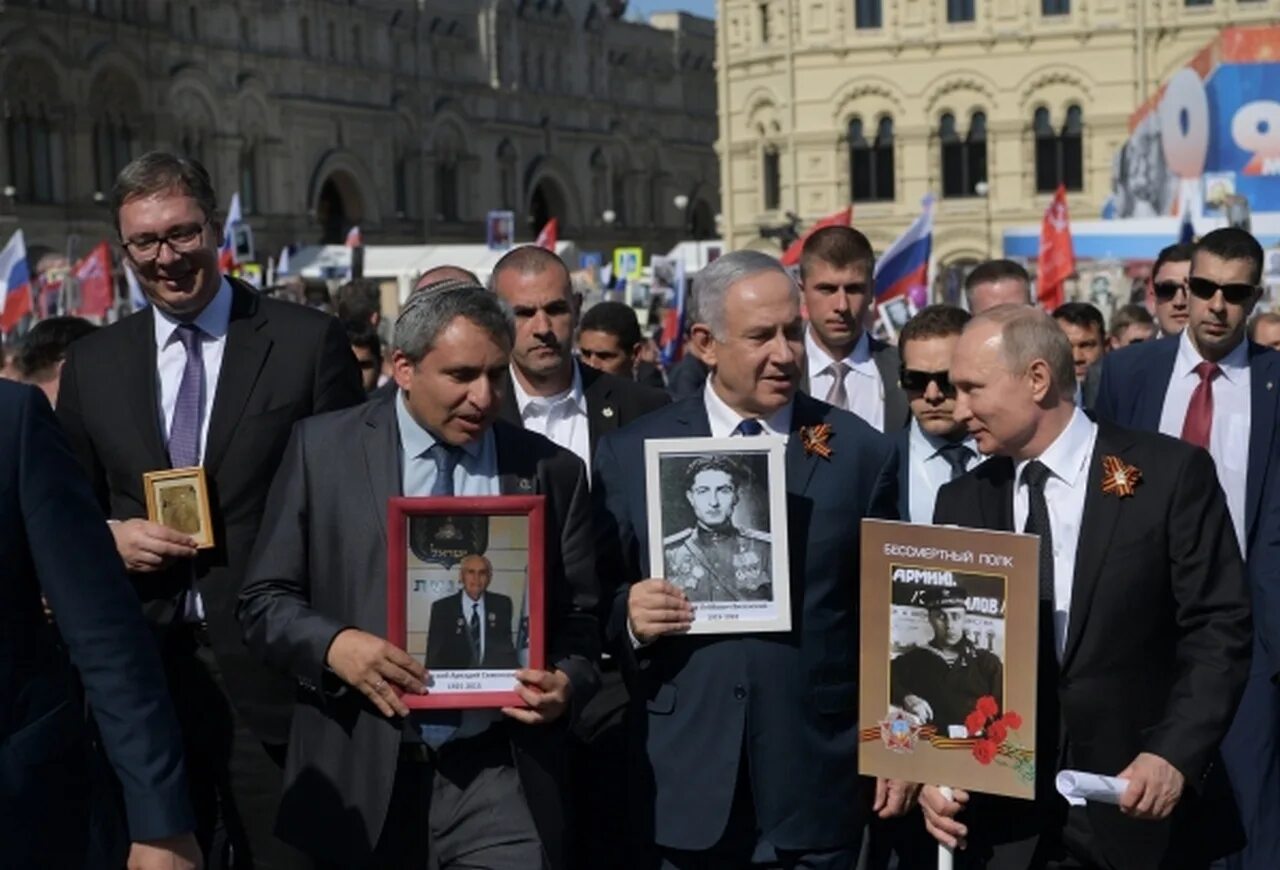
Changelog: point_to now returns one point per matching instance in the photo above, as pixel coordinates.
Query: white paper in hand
(1078, 787)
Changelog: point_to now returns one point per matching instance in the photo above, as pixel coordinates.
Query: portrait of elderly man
(472, 627)
(716, 560)
(941, 681)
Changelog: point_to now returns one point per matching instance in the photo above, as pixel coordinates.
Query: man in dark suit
(54, 809)
(609, 339)
(1144, 613)
(747, 745)
(365, 786)
(472, 627)
(1086, 330)
(209, 374)
(845, 365)
(1230, 410)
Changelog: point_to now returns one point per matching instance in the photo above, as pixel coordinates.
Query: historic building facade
(409, 119)
(986, 104)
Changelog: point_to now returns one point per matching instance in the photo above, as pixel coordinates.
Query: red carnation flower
(998, 731)
(984, 751)
(1013, 720)
(974, 723)
(987, 706)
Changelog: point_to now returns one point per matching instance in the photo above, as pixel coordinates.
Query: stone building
(987, 105)
(409, 119)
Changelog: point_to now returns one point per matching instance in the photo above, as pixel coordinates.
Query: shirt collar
(1233, 365)
(214, 320)
(858, 359)
(416, 440)
(1067, 457)
(724, 420)
(930, 445)
(544, 404)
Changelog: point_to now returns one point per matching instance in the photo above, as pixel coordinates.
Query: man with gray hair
(1142, 598)
(370, 784)
(769, 728)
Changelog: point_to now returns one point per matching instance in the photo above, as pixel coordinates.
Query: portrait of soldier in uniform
(715, 559)
(941, 682)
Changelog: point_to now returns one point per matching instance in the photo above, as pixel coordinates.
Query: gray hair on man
(426, 315)
(1028, 334)
(713, 283)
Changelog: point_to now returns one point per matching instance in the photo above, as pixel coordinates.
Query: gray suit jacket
(320, 566)
(897, 412)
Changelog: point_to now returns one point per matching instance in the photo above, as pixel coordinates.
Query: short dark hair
(839, 247)
(530, 260)
(995, 270)
(1127, 315)
(158, 171)
(718, 462)
(616, 318)
(365, 337)
(1081, 314)
(1233, 243)
(45, 345)
(358, 300)
(1177, 253)
(934, 321)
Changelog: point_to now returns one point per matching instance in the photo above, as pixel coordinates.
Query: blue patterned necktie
(445, 457)
(184, 431)
(748, 427)
(435, 727)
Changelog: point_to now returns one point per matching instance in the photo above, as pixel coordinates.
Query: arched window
(964, 158)
(871, 161)
(1059, 153)
(507, 175)
(599, 184)
(112, 150)
(249, 180)
(446, 179)
(619, 203)
(35, 156)
(772, 179)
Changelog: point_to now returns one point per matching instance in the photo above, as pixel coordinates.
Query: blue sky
(705, 8)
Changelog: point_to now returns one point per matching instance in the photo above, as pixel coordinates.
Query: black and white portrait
(946, 642)
(715, 518)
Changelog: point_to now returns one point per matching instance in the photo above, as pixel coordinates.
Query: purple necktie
(184, 432)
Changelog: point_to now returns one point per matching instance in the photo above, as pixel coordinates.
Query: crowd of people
(164, 704)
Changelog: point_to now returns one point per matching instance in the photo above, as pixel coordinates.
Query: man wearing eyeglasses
(1167, 294)
(209, 374)
(1213, 387)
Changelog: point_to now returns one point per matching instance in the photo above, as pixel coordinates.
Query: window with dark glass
(959, 11)
(867, 14)
(34, 156)
(400, 183)
(764, 23)
(1055, 7)
(249, 182)
(1059, 152)
(871, 161)
(447, 190)
(1197, 2)
(112, 151)
(772, 180)
(964, 157)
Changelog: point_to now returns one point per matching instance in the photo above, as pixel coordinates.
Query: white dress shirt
(561, 418)
(468, 606)
(929, 472)
(1067, 459)
(862, 382)
(1232, 417)
(724, 420)
(171, 360)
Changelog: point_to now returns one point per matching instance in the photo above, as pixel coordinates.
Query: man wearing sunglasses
(1167, 293)
(1213, 387)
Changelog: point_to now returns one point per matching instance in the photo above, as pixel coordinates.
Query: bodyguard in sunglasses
(1167, 294)
(1213, 387)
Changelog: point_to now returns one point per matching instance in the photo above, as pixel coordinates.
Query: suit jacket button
(740, 692)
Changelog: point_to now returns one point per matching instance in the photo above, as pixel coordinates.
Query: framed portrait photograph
(500, 229)
(718, 529)
(465, 595)
(179, 499)
(948, 656)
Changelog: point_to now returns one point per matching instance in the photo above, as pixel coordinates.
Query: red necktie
(1199, 422)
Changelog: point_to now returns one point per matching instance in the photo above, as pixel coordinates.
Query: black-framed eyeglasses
(1234, 294)
(183, 240)
(916, 381)
(1166, 290)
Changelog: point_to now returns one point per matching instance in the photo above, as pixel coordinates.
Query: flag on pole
(903, 270)
(549, 235)
(282, 265)
(93, 275)
(354, 238)
(1057, 259)
(673, 318)
(15, 280)
(137, 299)
(842, 218)
(227, 252)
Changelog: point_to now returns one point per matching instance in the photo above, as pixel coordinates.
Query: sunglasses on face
(917, 381)
(1166, 290)
(1234, 294)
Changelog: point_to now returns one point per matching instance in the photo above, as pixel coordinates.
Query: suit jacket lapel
(1097, 525)
(141, 383)
(242, 362)
(516, 474)
(1262, 421)
(799, 463)
(895, 401)
(1153, 389)
(602, 412)
(995, 497)
(510, 409)
(382, 458)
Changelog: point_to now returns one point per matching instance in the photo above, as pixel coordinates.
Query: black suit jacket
(788, 700)
(612, 402)
(1158, 638)
(897, 408)
(449, 637)
(282, 362)
(320, 566)
(55, 543)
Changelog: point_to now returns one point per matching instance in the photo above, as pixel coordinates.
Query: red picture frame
(399, 511)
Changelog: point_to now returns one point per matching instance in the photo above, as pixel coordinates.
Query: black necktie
(1034, 476)
(474, 625)
(957, 456)
(1048, 726)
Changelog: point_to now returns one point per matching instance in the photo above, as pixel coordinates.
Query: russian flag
(227, 253)
(906, 264)
(15, 277)
(673, 319)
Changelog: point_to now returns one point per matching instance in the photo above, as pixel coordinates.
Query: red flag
(549, 235)
(842, 218)
(1057, 257)
(93, 274)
